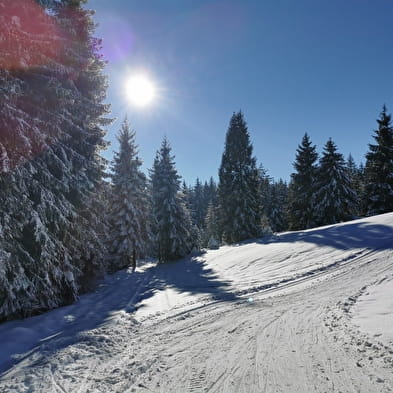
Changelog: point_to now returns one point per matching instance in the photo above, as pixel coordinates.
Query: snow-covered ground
(373, 312)
(307, 311)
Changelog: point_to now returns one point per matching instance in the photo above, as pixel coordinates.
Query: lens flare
(29, 36)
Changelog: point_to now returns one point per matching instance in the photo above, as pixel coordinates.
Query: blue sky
(292, 66)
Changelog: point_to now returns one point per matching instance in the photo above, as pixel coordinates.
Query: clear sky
(292, 66)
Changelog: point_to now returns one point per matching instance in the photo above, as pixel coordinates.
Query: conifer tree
(212, 232)
(379, 168)
(238, 185)
(359, 186)
(51, 132)
(356, 180)
(277, 213)
(198, 205)
(335, 198)
(302, 186)
(172, 221)
(129, 214)
(210, 191)
(265, 194)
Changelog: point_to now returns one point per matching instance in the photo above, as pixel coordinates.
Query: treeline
(246, 203)
(322, 190)
(64, 221)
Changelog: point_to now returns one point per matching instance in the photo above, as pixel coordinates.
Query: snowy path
(194, 330)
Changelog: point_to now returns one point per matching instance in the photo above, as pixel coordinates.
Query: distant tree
(212, 232)
(359, 186)
(302, 186)
(210, 191)
(200, 196)
(198, 205)
(173, 232)
(356, 180)
(379, 168)
(129, 207)
(265, 198)
(277, 213)
(238, 184)
(335, 198)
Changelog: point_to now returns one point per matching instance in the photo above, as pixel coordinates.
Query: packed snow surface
(373, 312)
(303, 311)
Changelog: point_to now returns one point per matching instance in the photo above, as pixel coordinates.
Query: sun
(140, 90)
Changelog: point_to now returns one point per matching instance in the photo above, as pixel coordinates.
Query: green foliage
(379, 168)
(335, 199)
(172, 228)
(51, 133)
(238, 185)
(129, 207)
(302, 186)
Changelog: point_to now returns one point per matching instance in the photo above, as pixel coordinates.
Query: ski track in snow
(192, 327)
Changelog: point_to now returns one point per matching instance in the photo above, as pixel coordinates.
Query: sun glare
(140, 90)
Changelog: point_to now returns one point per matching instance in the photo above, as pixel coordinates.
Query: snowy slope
(290, 313)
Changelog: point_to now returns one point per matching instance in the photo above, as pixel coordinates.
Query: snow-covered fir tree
(212, 231)
(277, 214)
(51, 131)
(265, 183)
(210, 191)
(172, 227)
(209, 198)
(379, 168)
(129, 208)
(335, 199)
(238, 185)
(199, 197)
(356, 180)
(359, 186)
(198, 204)
(302, 186)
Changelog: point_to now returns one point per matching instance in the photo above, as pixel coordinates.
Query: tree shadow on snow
(188, 275)
(43, 335)
(342, 237)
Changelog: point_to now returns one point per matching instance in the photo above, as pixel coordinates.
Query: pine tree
(51, 134)
(198, 205)
(379, 168)
(277, 214)
(265, 195)
(210, 191)
(356, 182)
(359, 186)
(335, 197)
(302, 186)
(129, 214)
(172, 221)
(212, 233)
(238, 184)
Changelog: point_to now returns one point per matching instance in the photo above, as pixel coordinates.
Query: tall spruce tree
(379, 168)
(51, 131)
(302, 186)
(172, 227)
(129, 213)
(335, 199)
(238, 185)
